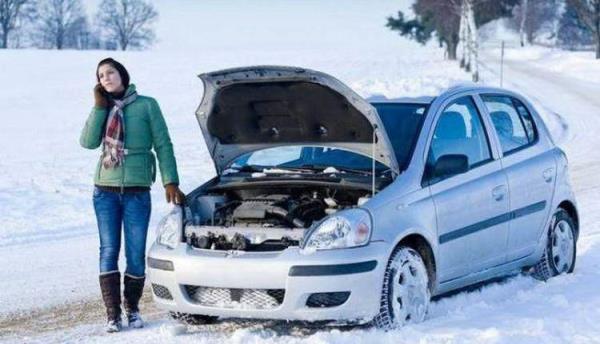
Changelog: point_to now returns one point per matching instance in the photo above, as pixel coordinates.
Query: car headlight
(168, 231)
(349, 228)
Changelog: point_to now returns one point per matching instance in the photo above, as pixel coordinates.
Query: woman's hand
(174, 195)
(100, 99)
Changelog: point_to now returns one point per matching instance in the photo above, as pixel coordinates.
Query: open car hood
(252, 108)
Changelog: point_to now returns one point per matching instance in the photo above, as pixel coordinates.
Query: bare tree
(59, 23)
(452, 22)
(473, 38)
(531, 16)
(10, 13)
(523, 14)
(128, 22)
(468, 37)
(589, 13)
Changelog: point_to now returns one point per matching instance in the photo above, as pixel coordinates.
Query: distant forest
(569, 24)
(64, 24)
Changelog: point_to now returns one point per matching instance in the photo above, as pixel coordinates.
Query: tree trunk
(474, 40)
(451, 47)
(462, 38)
(524, 4)
(4, 40)
(597, 14)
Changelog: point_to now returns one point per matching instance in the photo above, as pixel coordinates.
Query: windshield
(309, 157)
(402, 123)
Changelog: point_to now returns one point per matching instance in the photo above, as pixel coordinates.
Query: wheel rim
(563, 248)
(410, 293)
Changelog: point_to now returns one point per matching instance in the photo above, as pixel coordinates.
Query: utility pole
(502, 65)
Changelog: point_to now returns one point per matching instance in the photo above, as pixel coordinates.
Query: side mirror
(449, 165)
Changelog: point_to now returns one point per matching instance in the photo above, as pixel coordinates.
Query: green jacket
(145, 128)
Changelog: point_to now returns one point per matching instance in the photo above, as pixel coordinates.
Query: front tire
(561, 249)
(405, 295)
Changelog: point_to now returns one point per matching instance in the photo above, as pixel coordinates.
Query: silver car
(328, 207)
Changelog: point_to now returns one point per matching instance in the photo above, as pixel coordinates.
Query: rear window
(402, 124)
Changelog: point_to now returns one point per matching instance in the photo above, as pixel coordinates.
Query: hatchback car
(328, 207)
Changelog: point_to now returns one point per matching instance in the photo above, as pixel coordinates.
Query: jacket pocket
(137, 170)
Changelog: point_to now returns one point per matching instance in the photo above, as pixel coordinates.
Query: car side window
(459, 130)
(512, 121)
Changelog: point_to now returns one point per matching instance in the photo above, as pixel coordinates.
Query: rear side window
(512, 121)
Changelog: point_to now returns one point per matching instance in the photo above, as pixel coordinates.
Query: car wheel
(193, 319)
(405, 294)
(560, 252)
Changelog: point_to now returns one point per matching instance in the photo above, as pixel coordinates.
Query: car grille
(161, 292)
(235, 298)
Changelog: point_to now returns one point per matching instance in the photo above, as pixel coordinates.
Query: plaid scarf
(113, 152)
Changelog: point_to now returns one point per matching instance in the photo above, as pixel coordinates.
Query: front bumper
(357, 270)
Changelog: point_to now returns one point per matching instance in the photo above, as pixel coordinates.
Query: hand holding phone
(100, 96)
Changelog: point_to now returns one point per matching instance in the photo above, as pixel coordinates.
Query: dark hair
(118, 66)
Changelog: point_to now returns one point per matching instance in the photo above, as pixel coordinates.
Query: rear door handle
(499, 192)
(548, 174)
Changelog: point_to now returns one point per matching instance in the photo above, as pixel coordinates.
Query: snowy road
(520, 309)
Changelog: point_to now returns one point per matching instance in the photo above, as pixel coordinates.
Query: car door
(531, 171)
(471, 207)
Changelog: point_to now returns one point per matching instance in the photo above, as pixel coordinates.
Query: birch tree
(523, 14)
(473, 40)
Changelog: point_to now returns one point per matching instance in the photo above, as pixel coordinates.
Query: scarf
(113, 152)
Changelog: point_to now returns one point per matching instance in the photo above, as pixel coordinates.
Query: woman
(128, 126)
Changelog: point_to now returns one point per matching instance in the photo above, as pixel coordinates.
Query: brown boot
(132, 293)
(110, 285)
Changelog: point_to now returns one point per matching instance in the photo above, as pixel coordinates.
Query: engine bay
(262, 218)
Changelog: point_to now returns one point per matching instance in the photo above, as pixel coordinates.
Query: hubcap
(410, 293)
(563, 246)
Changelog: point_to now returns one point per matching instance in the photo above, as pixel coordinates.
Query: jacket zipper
(124, 155)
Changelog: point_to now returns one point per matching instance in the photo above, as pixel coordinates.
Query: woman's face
(110, 78)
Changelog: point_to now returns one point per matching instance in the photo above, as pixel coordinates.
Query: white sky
(271, 24)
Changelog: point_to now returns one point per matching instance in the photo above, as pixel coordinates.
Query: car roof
(425, 100)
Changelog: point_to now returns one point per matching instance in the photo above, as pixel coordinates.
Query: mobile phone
(103, 91)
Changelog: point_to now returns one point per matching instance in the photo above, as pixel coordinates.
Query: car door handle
(548, 174)
(499, 192)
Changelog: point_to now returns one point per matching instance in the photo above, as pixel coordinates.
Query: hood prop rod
(373, 160)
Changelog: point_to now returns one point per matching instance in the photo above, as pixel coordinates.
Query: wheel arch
(570, 208)
(420, 244)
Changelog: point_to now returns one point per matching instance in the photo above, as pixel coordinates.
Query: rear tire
(561, 249)
(193, 319)
(405, 295)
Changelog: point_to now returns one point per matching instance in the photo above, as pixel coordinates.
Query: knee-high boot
(110, 285)
(132, 293)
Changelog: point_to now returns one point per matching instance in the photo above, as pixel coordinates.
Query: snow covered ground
(48, 241)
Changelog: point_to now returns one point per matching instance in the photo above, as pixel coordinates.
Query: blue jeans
(133, 211)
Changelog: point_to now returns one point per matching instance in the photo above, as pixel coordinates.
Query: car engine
(261, 219)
